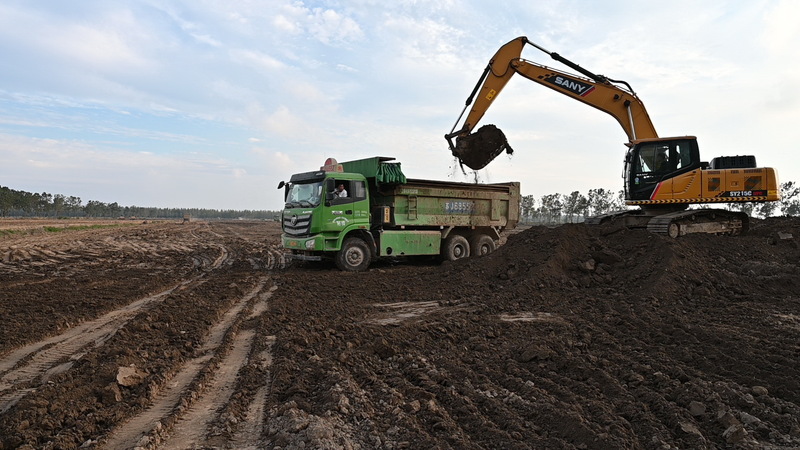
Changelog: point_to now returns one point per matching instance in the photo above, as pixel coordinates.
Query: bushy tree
(601, 201)
(575, 204)
(526, 207)
(790, 198)
(550, 208)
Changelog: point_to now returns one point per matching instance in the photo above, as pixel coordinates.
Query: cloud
(346, 68)
(780, 33)
(284, 123)
(206, 39)
(305, 91)
(331, 27)
(110, 43)
(423, 39)
(283, 23)
(128, 177)
(328, 26)
(257, 60)
(282, 159)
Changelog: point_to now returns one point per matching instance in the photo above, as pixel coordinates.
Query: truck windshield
(305, 195)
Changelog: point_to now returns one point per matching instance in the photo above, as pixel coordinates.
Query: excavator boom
(477, 149)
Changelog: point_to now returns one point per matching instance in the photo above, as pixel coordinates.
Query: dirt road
(168, 335)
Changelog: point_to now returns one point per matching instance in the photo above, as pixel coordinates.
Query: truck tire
(455, 247)
(482, 245)
(354, 255)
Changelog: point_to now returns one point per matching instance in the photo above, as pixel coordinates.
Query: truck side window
(352, 191)
(359, 190)
(341, 190)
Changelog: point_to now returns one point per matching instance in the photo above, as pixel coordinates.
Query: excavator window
(665, 156)
(683, 150)
(656, 161)
(653, 158)
(662, 162)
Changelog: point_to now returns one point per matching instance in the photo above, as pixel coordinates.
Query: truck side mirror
(281, 184)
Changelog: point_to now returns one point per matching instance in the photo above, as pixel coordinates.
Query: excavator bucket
(478, 149)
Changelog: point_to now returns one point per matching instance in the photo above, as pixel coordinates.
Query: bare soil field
(198, 335)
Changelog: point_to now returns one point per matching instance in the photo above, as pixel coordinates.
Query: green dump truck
(355, 212)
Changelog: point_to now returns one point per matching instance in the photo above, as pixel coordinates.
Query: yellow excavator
(663, 176)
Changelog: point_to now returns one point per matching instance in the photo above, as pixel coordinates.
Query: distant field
(14, 225)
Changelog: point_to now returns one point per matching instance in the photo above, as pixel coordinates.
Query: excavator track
(710, 221)
(678, 223)
(629, 218)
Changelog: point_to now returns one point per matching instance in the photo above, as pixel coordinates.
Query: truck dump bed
(429, 203)
(442, 203)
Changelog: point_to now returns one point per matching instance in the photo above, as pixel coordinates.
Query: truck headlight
(310, 244)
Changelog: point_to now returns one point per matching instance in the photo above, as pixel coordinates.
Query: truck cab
(316, 217)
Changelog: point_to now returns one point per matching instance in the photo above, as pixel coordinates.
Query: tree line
(575, 207)
(548, 209)
(27, 204)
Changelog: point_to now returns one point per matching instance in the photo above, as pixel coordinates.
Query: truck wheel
(455, 247)
(482, 245)
(354, 255)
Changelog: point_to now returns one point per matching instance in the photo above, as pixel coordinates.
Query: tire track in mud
(23, 370)
(90, 247)
(248, 435)
(202, 264)
(180, 415)
(191, 427)
(276, 256)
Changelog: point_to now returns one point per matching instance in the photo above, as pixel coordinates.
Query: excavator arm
(614, 97)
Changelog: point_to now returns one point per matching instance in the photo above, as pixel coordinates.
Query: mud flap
(478, 149)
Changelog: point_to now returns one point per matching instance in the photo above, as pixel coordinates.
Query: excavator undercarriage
(676, 223)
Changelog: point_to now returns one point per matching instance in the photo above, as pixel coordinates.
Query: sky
(211, 103)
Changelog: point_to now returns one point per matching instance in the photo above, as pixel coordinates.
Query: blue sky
(210, 104)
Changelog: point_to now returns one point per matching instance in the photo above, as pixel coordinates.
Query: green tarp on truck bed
(379, 167)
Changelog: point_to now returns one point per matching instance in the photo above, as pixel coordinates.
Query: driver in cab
(340, 191)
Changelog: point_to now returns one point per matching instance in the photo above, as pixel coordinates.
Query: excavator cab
(651, 161)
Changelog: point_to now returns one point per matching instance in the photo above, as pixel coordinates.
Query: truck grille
(296, 224)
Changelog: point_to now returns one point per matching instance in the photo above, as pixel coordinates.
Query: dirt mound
(637, 263)
(173, 336)
(572, 337)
